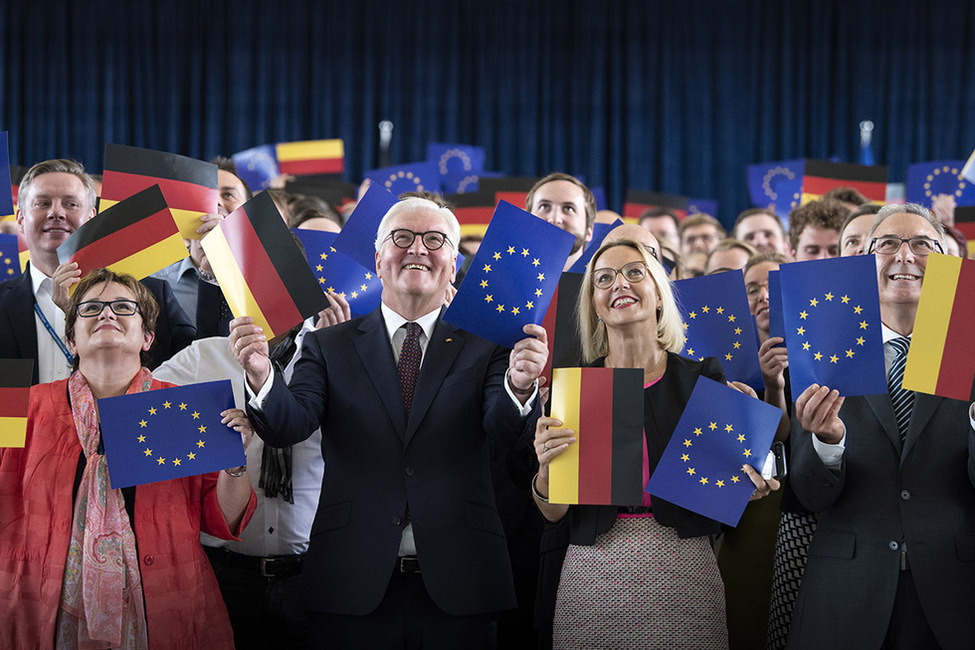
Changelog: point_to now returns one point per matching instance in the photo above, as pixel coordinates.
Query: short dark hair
(228, 165)
(863, 210)
(589, 199)
(701, 219)
(56, 165)
(653, 213)
(751, 212)
(827, 214)
(147, 304)
(846, 195)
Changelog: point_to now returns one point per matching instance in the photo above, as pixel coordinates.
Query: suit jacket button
(408, 471)
(397, 521)
(893, 545)
(905, 494)
(148, 560)
(827, 484)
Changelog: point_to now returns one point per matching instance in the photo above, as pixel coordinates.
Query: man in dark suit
(892, 479)
(407, 549)
(54, 199)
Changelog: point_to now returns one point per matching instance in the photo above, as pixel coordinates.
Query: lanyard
(54, 335)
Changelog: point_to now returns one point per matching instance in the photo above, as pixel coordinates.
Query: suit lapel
(884, 410)
(376, 353)
(18, 304)
(924, 407)
(442, 349)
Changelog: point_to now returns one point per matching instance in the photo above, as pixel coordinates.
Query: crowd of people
(396, 489)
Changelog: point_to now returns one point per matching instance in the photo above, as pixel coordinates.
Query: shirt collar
(394, 321)
(890, 334)
(37, 278)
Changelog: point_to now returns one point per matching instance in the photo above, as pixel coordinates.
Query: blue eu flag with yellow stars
(512, 278)
(925, 180)
(717, 323)
(702, 468)
(358, 236)
(6, 198)
(831, 311)
(170, 433)
(340, 274)
(9, 257)
(599, 232)
(456, 158)
(411, 177)
(777, 184)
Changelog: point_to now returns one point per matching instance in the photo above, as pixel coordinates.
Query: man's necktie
(902, 399)
(409, 364)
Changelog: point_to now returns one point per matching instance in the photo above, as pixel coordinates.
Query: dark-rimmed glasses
(403, 238)
(633, 272)
(920, 246)
(93, 308)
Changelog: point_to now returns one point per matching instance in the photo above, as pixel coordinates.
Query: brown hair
(588, 197)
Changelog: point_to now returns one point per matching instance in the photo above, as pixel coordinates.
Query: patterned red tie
(409, 365)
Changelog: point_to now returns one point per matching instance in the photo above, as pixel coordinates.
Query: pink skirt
(641, 586)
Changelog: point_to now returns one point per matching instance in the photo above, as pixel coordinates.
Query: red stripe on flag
(260, 274)
(819, 185)
(14, 401)
(315, 166)
(595, 439)
(634, 210)
(957, 367)
(517, 199)
(178, 194)
(127, 241)
(474, 215)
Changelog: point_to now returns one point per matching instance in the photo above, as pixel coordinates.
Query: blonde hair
(592, 331)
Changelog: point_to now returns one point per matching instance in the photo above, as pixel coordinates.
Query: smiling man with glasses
(891, 478)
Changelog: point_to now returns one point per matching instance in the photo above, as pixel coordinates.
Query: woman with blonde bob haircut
(635, 575)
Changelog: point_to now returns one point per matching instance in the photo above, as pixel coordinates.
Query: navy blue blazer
(438, 462)
(18, 333)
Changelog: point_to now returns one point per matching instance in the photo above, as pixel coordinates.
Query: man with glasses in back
(407, 548)
(892, 480)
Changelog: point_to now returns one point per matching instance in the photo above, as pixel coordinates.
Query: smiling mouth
(904, 276)
(415, 267)
(622, 301)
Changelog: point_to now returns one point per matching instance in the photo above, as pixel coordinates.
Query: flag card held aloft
(170, 433)
(941, 360)
(357, 238)
(703, 467)
(604, 407)
(261, 270)
(15, 383)
(512, 277)
(189, 185)
(9, 257)
(339, 274)
(6, 193)
(137, 236)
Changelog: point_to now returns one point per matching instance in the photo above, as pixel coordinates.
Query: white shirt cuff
(526, 408)
(831, 455)
(257, 402)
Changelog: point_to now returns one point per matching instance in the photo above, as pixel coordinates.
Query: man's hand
(210, 221)
(337, 312)
(527, 360)
(249, 345)
(817, 409)
(65, 276)
(773, 361)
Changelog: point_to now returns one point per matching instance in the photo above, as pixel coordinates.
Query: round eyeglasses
(920, 246)
(93, 308)
(633, 272)
(432, 239)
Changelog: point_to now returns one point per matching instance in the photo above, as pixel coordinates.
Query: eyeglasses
(633, 272)
(432, 239)
(93, 308)
(920, 246)
(752, 289)
(652, 251)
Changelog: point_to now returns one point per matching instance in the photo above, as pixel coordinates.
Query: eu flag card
(340, 274)
(358, 237)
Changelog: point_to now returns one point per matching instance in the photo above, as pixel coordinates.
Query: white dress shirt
(52, 365)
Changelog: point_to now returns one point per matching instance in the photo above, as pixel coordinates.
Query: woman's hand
(763, 487)
(742, 387)
(237, 420)
(337, 312)
(65, 276)
(773, 361)
(550, 442)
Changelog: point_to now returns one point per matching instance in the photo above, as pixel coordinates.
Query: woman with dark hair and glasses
(636, 575)
(84, 565)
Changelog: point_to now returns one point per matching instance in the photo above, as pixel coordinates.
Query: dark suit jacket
(18, 333)
(878, 499)
(346, 382)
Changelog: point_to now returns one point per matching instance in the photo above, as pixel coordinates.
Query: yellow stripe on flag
(473, 229)
(13, 432)
(310, 150)
(152, 259)
(931, 323)
(563, 477)
(231, 279)
(24, 258)
(8, 217)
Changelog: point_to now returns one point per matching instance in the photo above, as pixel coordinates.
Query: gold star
(166, 405)
(182, 406)
(176, 461)
(142, 438)
(191, 456)
(321, 280)
(693, 314)
(857, 309)
(737, 331)
(697, 431)
(741, 437)
(860, 340)
(849, 353)
(713, 426)
(500, 308)
(152, 410)
(202, 429)
(143, 423)
(801, 331)
(720, 483)
(685, 457)
(737, 345)
(731, 318)
(524, 252)
(805, 345)
(354, 294)
(200, 443)
(324, 256)
(368, 276)
(497, 256)
(727, 357)
(813, 302)
(484, 283)
(803, 314)
(331, 290)
(535, 261)
(196, 415)
(148, 453)
(863, 324)
(734, 479)
(515, 311)
(729, 428)
(319, 268)
(829, 296)
(538, 292)
(541, 277)
(687, 442)
(704, 481)
(529, 305)
(844, 299)
(511, 250)
(720, 310)
(488, 298)
(817, 356)
(705, 309)
(685, 327)
(690, 470)
(363, 287)
(487, 268)
(161, 460)
(690, 351)
(833, 358)
(747, 453)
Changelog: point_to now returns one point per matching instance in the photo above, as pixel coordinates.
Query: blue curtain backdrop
(674, 96)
